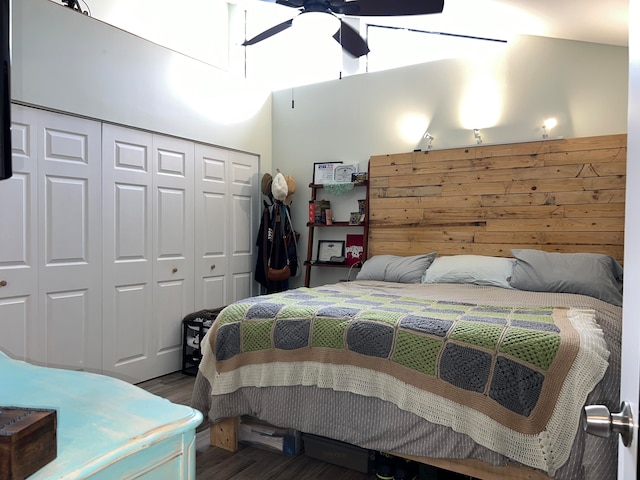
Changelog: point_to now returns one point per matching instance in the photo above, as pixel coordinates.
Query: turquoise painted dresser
(107, 429)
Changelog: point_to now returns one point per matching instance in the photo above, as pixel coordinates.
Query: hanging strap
(278, 220)
(293, 232)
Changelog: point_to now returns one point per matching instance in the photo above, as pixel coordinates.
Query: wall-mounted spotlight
(476, 134)
(430, 138)
(548, 124)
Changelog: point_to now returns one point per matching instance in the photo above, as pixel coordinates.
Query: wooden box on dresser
(106, 428)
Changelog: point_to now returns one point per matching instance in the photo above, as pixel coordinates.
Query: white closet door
(243, 224)
(211, 232)
(127, 320)
(70, 242)
(173, 244)
(19, 242)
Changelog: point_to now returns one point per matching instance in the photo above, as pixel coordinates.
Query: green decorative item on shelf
(338, 189)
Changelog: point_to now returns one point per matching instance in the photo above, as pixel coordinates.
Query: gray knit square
(370, 338)
(227, 341)
(465, 367)
(291, 334)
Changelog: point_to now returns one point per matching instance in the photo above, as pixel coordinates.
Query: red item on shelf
(354, 249)
(312, 211)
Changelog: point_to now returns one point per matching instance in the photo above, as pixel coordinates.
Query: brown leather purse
(279, 274)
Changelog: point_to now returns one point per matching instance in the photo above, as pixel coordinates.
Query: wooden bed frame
(554, 195)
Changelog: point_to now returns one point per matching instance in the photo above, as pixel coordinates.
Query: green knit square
(233, 313)
(532, 346)
(450, 306)
(417, 352)
(441, 315)
(532, 317)
(328, 333)
(424, 301)
(390, 318)
(256, 335)
(477, 333)
(297, 311)
(490, 310)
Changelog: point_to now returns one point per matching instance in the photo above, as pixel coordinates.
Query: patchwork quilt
(513, 378)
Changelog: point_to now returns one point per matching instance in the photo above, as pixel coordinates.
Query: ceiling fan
(346, 35)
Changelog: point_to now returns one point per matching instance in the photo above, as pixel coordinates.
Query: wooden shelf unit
(364, 225)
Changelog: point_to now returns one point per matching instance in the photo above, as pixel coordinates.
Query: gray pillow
(393, 268)
(593, 274)
(478, 269)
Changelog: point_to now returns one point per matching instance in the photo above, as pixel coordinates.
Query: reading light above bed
(429, 138)
(548, 124)
(476, 134)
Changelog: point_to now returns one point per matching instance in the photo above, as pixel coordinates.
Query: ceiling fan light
(322, 23)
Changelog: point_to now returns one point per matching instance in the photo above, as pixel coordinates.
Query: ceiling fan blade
(268, 33)
(390, 8)
(289, 3)
(351, 40)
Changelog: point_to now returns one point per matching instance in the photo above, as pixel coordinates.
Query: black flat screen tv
(5, 89)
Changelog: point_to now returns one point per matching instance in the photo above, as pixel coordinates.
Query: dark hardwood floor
(248, 463)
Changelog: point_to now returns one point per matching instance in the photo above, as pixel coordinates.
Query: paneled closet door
(128, 326)
(19, 243)
(173, 244)
(226, 215)
(70, 240)
(243, 223)
(212, 215)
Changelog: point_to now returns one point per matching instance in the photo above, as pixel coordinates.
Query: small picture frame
(323, 173)
(362, 206)
(359, 177)
(354, 218)
(327, 249)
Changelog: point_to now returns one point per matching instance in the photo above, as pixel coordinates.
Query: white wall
(65, 61)
(583, 85)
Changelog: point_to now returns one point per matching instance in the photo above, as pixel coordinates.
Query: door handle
(601, 422)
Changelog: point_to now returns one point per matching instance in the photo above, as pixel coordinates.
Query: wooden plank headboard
(563, 195)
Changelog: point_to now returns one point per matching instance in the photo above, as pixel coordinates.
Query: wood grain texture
(562, 195)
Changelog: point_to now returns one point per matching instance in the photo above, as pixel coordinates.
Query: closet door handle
(213, 266)
(3, 283)
(175, 270)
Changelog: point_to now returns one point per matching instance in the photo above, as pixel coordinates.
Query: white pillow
(476, 269)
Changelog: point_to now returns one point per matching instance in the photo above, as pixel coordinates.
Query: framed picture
(343, 173)
(323, 172)
(354, 218)
(330, 251)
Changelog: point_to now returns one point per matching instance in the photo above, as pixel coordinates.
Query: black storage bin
(338, 453)
(194, 327)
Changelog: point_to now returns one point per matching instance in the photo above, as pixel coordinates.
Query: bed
(484, 319)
